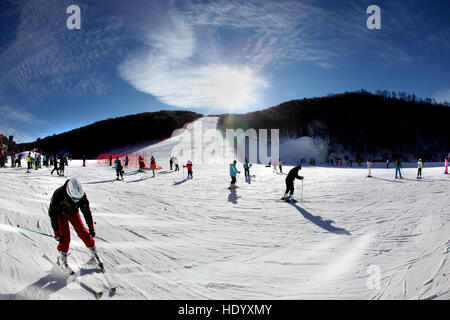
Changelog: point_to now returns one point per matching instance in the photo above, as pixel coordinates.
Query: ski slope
(351, 237)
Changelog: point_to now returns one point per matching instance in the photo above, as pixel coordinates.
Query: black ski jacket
(62, 205)
(293, 174)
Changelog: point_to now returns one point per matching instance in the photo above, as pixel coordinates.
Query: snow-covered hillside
(351, 237)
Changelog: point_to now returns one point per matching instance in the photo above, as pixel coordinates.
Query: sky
(209, 57)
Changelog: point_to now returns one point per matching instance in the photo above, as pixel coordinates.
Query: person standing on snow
(55, 165)
(171, 163)
(387, 164)
(419, 169)
(153, 165)
(233, 173)
(84, 160)
(292, 175)
(175, 161)
(29, 163)
(119, 168)
(247, 169)
(62, 163)
(369, 167)
(141, 163)
(63, 209)
(280, 165)
(189, 169)
(398, 168)
(126, 161)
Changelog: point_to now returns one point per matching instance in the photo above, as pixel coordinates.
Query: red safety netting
(133, 160)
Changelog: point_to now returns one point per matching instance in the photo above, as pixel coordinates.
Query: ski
(89, 289)
(109, 279)
(111, 283)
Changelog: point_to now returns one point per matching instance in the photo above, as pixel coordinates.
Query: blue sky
(207, 56)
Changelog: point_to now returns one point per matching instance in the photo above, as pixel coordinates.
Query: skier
(280, 165)
(141, 163)
(233, 172)
(126, 161)
(64, 205)
(398, 168)
(446, 165)
(19, 161)
(175, 161)
(29, 164)
(419, 169)
(292, 175)
(171, 162)
(55, 165)
(153, 165)
(62, 162)
(110, 160)
(369, 166)
(119, 168)
(247, 169)
(387, 164)
(84, 160)
(189, 169)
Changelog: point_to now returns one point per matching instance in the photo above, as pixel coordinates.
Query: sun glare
(234, 88)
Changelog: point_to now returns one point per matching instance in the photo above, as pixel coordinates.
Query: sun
(234, 88)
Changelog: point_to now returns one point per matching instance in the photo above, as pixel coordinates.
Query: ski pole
(301, 199)
(38, 232)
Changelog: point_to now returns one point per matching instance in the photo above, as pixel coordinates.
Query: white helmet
(75, 189)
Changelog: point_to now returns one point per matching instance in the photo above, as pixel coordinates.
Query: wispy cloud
(14, 114)
(172, 68)
(46, 58)
(195, 39)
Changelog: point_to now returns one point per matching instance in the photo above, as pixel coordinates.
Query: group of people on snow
(70, 198)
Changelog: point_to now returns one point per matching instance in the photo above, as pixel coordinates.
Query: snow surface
(171, 238)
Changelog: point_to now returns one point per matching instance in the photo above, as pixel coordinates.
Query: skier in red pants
(64, 205)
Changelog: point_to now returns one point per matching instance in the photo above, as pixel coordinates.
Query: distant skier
(280, 165)
(387, 164)
(247, 169)
(233, 173)
(175, 162)
(153, 165)
(398, 168)
(446, 165)
(62, 163)
(29, 162)
(119, 168)
(292, 175)
(55, 165)
(84, 160)
(126, 161)
(110, 160)
(419, 169)
(63, 209)
(141, 163)
(369, 167)
(189, 169)
(171, 163)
